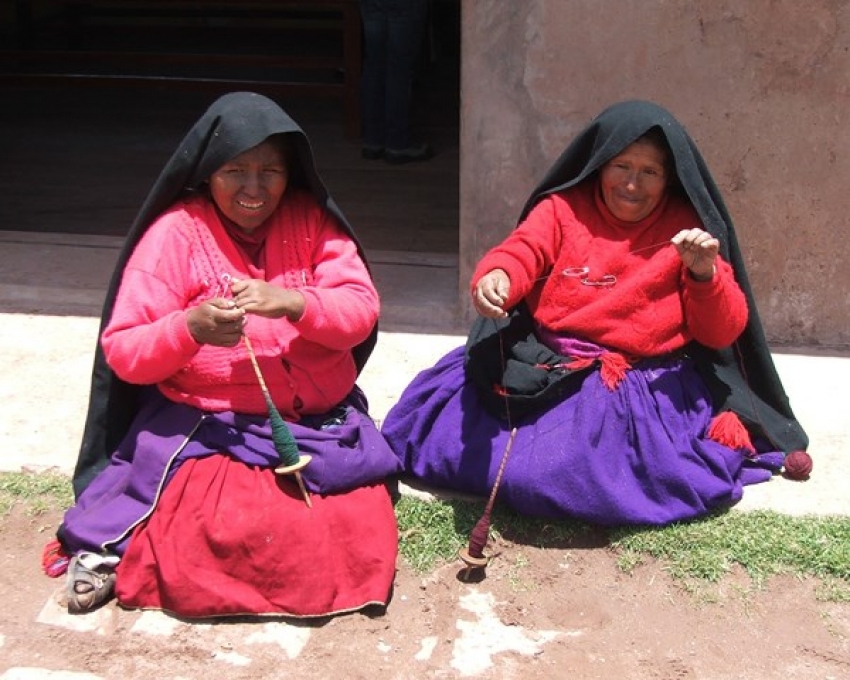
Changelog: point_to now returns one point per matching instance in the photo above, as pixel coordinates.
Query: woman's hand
(216, 322)
(491, 293)
(698, 250)
(254, 296)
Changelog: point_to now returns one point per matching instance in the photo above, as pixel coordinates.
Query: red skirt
(227, 539)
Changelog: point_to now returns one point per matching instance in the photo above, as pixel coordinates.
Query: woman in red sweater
(617, 337)
(238, 256)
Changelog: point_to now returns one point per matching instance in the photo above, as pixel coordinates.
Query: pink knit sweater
(653, 308)
(179, 263)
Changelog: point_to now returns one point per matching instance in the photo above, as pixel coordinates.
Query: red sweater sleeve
(528, 253)
(147, 339)
(341, 302)
(715, 311)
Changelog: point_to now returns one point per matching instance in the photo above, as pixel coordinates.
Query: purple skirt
(637, 454)
(346, 449)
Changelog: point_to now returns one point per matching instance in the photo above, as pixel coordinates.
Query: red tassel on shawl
(726, 428)
(613, 367)
(613, 370)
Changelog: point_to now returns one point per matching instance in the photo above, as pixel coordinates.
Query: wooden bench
(308, 47)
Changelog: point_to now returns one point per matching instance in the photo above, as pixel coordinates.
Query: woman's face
(248, 188)
(633, 182)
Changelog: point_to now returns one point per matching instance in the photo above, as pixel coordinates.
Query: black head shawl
(742, 378)
(232, 125)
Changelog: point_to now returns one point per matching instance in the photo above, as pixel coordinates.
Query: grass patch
(429, 532)
(37, 493)
(763, 543)
(432, 532)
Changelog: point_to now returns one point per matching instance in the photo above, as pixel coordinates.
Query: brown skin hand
(254, 296)
(216, 322)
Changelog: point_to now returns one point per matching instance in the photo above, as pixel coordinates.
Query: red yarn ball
(798, 465)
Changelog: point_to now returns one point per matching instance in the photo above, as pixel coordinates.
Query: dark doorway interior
(79, 155)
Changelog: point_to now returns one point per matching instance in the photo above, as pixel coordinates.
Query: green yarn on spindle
(284, 442)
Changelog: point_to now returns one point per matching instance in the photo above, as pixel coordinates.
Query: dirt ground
(535, 614)
(560, 612)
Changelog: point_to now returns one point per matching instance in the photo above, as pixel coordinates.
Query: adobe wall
(763, 86)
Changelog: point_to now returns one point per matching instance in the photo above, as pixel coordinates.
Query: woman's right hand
(491, 293)
(216, 322)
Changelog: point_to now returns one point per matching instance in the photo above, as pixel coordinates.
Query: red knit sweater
(654, 307)
(307, 364)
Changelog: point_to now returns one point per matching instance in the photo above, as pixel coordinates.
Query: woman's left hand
(255, 296)
(698, 250)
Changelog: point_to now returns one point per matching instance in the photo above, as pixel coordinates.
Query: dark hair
(286, 141)
(656, 137)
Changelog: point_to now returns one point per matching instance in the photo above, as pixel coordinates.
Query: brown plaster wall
(763, 86)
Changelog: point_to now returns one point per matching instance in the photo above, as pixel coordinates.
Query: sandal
(91, 582)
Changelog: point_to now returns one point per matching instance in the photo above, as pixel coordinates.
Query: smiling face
(248, 188)
(633, 182)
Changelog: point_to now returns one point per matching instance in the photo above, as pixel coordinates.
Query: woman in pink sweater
(238, 255)
(618, 355)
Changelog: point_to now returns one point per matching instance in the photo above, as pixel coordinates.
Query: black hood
(233, 124)
(742, 378)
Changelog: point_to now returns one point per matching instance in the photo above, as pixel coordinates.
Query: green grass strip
(432, 532)
(37, 492)
(764, 543)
